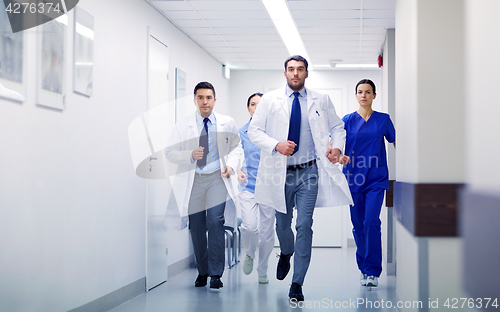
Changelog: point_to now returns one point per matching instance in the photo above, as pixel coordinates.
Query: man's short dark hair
(251, 96)
(297, 58)
(204, 85)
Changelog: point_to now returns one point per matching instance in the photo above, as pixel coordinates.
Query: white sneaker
(248, 265)
(263, 279)
(362, 279)
(372, 281)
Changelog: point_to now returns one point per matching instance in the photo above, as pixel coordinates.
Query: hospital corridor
(249, 155)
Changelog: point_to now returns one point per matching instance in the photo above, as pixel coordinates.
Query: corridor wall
(72, 210)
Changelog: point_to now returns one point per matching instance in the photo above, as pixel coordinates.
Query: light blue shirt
(306, 150)
(213, 163)
(251, 162)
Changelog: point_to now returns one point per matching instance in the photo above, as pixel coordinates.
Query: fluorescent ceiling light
(357, 65)
(322, 66)
(84, 63)
(284, 23)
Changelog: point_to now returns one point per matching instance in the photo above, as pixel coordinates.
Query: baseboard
(115, 298)
(180, 266)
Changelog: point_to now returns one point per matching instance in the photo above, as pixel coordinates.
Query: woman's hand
(241, 176)
(344, 160)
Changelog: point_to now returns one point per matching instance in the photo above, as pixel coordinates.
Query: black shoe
(201, 280)
(283, 266)
(215, 282)
(296, 292)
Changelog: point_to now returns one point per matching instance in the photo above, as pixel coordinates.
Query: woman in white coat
(257, 227)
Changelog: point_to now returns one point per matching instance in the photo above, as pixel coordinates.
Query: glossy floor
(332, 283)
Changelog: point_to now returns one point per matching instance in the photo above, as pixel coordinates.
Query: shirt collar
(289, 92)
(199, 118)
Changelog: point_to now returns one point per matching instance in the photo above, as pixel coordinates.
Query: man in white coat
(206, 147)
(292, 126)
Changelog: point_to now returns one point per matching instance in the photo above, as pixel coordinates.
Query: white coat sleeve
(233, 158)
(176, 149)
(257, 131)
(336, 127)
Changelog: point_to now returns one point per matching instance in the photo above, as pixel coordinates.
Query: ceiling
(241, 35)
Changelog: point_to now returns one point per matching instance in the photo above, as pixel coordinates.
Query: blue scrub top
(366, 147)
(251, 162)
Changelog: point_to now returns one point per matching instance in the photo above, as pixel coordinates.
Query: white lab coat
(269, 126)
(184, 139)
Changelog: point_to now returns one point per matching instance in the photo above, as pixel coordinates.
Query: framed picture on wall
(52, 63)
(83, 53)
(12, 56)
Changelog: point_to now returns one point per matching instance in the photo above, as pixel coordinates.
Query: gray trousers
(206, 213)
(301, 191)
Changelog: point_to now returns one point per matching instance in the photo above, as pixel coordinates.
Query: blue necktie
(204, 143)
(295, 118)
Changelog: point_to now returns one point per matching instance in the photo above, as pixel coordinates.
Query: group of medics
(291, 145)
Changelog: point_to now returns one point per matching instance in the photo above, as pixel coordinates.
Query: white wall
(482, 148)
(445, 260)
(429, 63)
(407, 265)
(441, 115)
(72, 218)
(431, 123)
(406, 92)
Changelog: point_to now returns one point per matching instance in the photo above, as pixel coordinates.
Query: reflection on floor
(332, 283)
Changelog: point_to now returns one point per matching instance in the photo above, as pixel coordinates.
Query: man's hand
(344, 160)
(333, 155)
(286, 148)
(241, 176)
(226, 173)
(197, 153)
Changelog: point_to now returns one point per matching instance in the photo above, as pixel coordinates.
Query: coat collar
(192, 119)
(282, 96)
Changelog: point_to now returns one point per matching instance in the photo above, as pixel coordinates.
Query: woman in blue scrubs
(367, 174)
